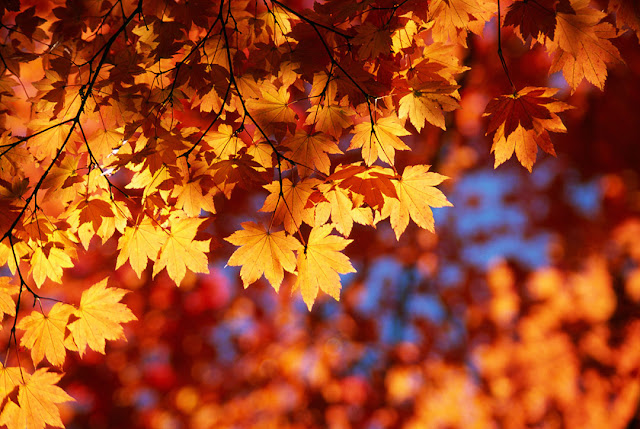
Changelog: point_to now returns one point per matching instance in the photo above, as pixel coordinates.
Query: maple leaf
(93, 211)
(428, 101)
(262, 252)
(534, 18)
(417, 194)
(380, 140)
(521, 122)
(330, 118)
(192, 199)
(7, 303)
(38, 397)
(627, 14)
(224, 143)
(100, 317)
(273, 109)
(288, 201)
(320, 264)
(10, 378)
(44, 334)
(581, 46)
(310, 152)
(181, 251)
(139, 244)
(372, 183)
(47, 262)
(373, 41)
(453, 19)
(344, 208)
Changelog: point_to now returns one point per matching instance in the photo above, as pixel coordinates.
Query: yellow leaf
(272, 107)
(10, 378)
(453, 19)
(192, 199)
(416, 195)
(44, 335)
(582, 45)
(289, 207)
(310, 152)
(331, 118)
(321, 263)
(180, 251)
(38, 397)
(342, 208)
(100, 316)
(262, 252)
(428, 102)
(7, 304)
(139, 244)
(224, 142)
(380, 140)
(48, 261)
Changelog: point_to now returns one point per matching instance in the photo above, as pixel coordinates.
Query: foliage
(141, 140)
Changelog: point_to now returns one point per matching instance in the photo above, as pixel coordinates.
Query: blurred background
(523, 311)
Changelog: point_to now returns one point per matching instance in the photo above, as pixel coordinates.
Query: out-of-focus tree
(210, 145)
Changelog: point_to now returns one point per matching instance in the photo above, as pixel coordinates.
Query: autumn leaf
(627, 14)
(7, 303)
(535, 18)
(139, 244)
(380, 140)
(288, 201)
(372, 40)
(100, 317)
(428, 101)
(521, 123)
(582, 49)
(417, 194)
(47, 262)
(344, 208)
(273, 109)
(330, 118)
(262, 252)
(181, 251)
(38, 397)
(453, 19)
(192, 198)
(310, 152)
(44, 334)
(320, 264)
(10, 378)
(224, 143)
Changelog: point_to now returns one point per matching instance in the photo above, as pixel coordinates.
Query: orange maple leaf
(582, 47)
(47, 262)
(344, 207)
(100, 316)
(380, 139)
(139, 244)
(310, 152)
(44, 334)
(428, 101)
(262, 252)
(521, 122)
(320, 264)
(417, 193)
(330, 118)
(181, 251)
(288, 202)
(272, 110)
(7, 303)
(38, 397)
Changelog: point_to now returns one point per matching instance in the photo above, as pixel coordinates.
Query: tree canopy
(157, 154)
